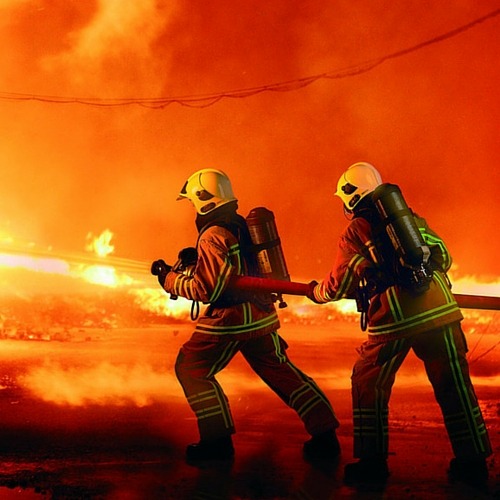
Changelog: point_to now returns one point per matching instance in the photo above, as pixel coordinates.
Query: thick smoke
(427, 120)
(103, 384)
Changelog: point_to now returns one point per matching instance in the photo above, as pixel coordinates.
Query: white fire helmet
(356, 182)
(207, 189)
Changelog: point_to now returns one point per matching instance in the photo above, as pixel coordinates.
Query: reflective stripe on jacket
(395, 310)
(228, 313)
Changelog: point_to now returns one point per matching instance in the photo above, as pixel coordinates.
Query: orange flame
(46, 265)
(138, 383)
(475, 285)
(102, 274)
(156, 301)
(101, 244)
(104, 270)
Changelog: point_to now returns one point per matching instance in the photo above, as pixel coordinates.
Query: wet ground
(125, 453)
(136, 451)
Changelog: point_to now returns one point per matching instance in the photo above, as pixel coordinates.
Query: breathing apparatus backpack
(412, 269)
(260, 248)
(266, 247)
(402, 256)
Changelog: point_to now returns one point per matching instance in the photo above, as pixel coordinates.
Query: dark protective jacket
(393, 310)
(222, 255)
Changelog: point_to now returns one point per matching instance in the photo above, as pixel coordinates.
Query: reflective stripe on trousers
(443, 352)
(199, 362)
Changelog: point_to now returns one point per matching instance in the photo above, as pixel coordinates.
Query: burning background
(427, 119)
(108, 106)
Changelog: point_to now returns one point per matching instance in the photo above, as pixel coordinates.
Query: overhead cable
(206, 100)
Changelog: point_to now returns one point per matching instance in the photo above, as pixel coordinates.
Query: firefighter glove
(160, 269)
(310, 291)
(188, 256)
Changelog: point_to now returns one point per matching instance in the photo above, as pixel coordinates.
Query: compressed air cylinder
(400, 226)
(267, 244)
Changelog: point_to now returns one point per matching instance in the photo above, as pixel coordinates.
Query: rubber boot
(324, 446)
(214, 449)
(472, 472)
(367, 470)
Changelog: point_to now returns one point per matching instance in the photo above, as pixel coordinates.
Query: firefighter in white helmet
(207, 189)
(356, 182)
(235, 322)
(401, 316)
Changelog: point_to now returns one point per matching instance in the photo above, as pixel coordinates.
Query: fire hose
(271, 285)
(250, 283)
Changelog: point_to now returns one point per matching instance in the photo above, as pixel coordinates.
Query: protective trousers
(200, 360)
(443, 352)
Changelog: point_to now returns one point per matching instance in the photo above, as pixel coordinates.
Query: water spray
(249, 283)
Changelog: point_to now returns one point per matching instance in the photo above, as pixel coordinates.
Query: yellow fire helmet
(356, 182)
(207, 189)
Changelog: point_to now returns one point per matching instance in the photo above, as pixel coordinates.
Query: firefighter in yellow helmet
(235, 322)
(407, 307)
